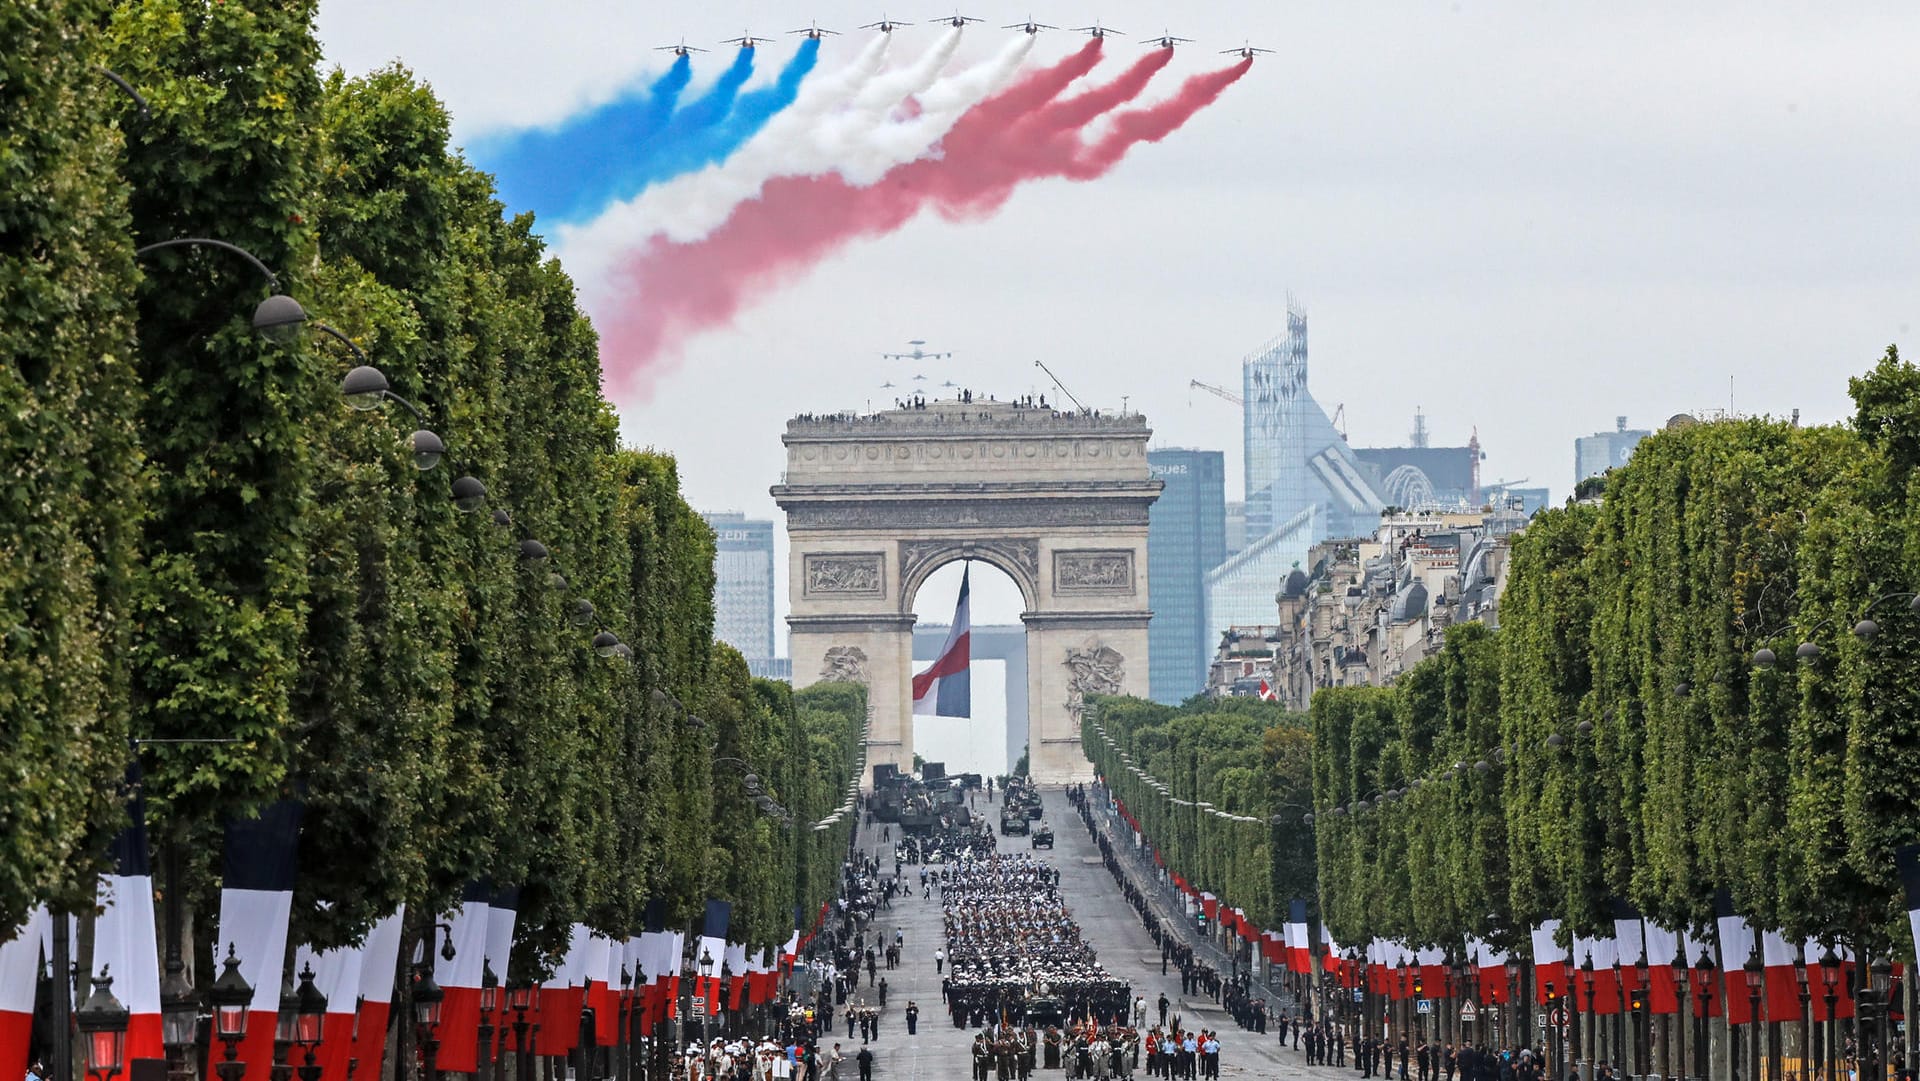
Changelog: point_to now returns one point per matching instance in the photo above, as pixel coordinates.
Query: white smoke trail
(590, 249)
(865, 159)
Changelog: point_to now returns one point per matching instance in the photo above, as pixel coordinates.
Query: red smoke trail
(1023, 133)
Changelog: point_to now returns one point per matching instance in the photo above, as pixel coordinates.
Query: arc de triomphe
(876, 503)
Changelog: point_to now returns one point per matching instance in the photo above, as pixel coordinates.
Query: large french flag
(379, 974)
(562, 996)
(1549, 963)
(1736, 945)
(344, 975)
(1299, 953)
(20, 971)
(713, 944)
(1492, 963)
(124, 941)
(1659, 947)
(459, 979)
(501, 916)
(944, 689)
(256, 897)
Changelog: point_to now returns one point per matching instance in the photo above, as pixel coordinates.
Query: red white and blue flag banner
(736, 976)
(256, 897)
(561, 998)
(1433, 971)
(790, 952)
(380, 958)
(125, 944)
(1549, 963)
(459, 979)
(1599, 991)
(1660, 947)
(713, 947)
(1492, 963)
(1299, 953)
(20, 972)
(341, 974)
(603, 991)
(502, 911)
(944, 689)
(1736, 945)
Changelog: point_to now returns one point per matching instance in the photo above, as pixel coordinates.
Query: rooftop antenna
(1419, 435)
(1063, 387)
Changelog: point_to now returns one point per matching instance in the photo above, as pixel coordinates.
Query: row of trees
(1243, 757)
(204, 543)
(1682, 698)
(1708, 680)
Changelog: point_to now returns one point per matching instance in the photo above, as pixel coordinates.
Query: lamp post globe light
(1755, 972)
(102, 1022)
(310, 1019)
(522, 997)
(1830, 983)
(489, 1001)
(231, 998)
(427, 1001)
(179, 1013)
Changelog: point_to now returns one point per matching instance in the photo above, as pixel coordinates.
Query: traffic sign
(1359, 995)
(1468, 1012)
(1424, 1005)
(699, 1006)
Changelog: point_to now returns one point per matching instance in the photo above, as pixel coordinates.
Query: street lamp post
(1643, 1013)
(706, 1015)
(1830, 984)
(1558, 1064)
(310, 1018)
(1756, 973)
(489, 999)
(102, 1022)
(522, 997)
(427, 1000)
(231, 998)
(1804, 989)
(1682, 1011)
(286, 1028)
(1873, 1063)
(1589, 1045)
(1516, 1000)
(1706, 968)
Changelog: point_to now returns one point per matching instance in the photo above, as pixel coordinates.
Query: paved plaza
(941, 1050)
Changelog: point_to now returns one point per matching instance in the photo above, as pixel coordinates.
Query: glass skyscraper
(1186, 538)
(743, 585)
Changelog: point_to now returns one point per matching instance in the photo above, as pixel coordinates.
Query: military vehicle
(1013, 822)
(1043, 837)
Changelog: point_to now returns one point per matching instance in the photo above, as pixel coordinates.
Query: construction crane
(1218, 392)
(1339, 410)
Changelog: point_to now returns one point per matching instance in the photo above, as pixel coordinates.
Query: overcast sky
(1521, 221)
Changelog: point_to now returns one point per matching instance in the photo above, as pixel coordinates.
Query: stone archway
(1058, 501)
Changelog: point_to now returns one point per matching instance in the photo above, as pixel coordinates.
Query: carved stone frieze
(857, 574)
(1094, 570)
(1094, 668)
(844, 664)
(967, 514)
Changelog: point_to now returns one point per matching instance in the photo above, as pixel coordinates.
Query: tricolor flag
(1736, 946)
(1660, 947)
(20, 972)
(1599, 992)
(943, 689)
(125, 944)
(345, 975)
(1549, 963)
(1433, 972)
(459, 979)
(1266, 692)
(562, 996)
(502, 911)
(713, 947)
(256, 897)
(379, 961)
(1492, 963)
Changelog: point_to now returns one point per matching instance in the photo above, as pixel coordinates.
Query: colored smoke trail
(565, 171)
(1013, 137)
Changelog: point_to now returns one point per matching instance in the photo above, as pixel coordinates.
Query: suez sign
(1179, 470)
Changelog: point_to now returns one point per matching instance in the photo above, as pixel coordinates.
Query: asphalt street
(940, 1051)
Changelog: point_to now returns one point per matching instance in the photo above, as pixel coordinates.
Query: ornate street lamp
(102, 1022)
(1830, 981)
(1682, 1009)
(279, 317)
(179, 1011)
(1706, 969)
(489, 1000)
(1802, 986)
(521, 998)
(427, 1001)
(1755, 971)
(310, 1019)
(231, 998)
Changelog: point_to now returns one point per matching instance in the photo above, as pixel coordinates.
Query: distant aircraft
(885, 25)
(1247, 51)
(949, 383)
(814, 30)
(1167, 41)
(957, 20)
(887, 385)
(1098, 31)
(919, 353)
(1029, 26)
(919, 377)
(681, 49)
(747, 41)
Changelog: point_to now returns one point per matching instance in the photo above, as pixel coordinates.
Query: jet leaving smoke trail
(565, 171)
(686, 288)
(715, 142)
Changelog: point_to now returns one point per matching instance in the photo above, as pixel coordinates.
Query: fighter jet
(1029, 26)
(747, 41)
(885, 25)
(681, 49)
(1246, 51)
(1167, 41)
(814, 30)
(1097, 31)
(958, 21)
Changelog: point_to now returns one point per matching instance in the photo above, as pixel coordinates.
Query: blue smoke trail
(699, 148)
(567, 172)
(619, 150)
